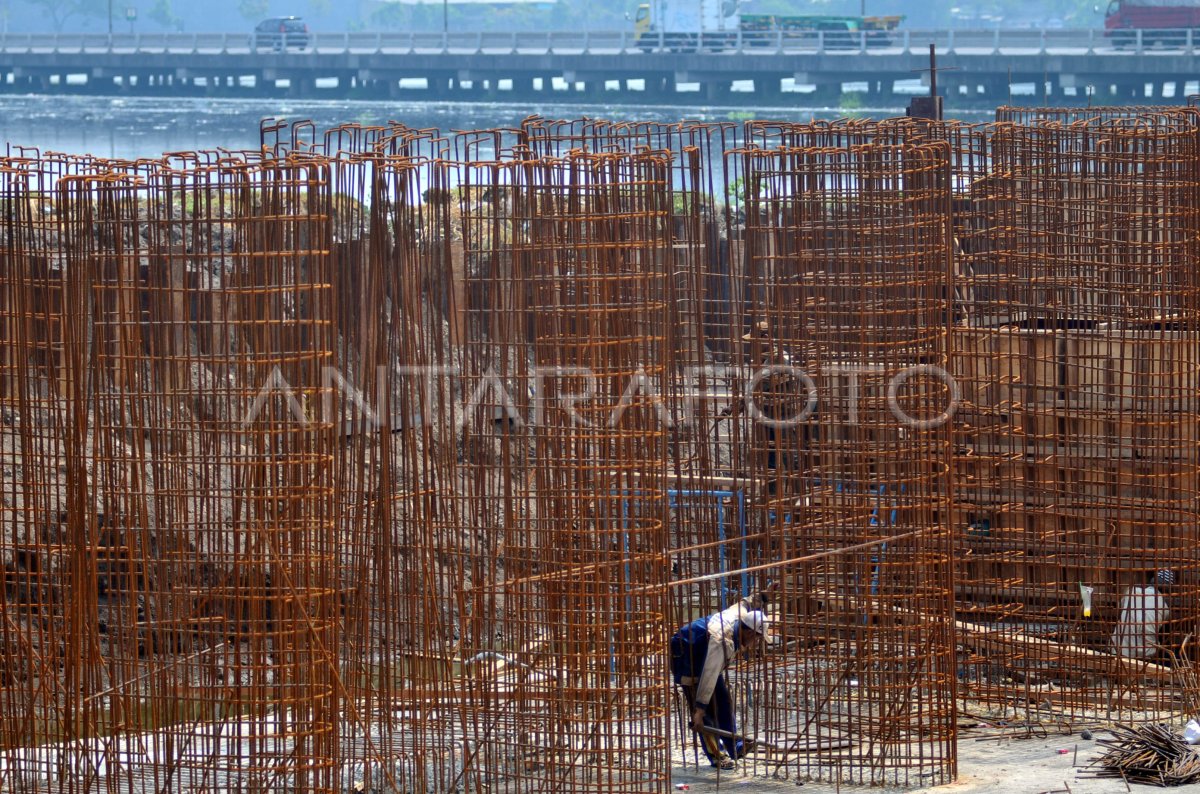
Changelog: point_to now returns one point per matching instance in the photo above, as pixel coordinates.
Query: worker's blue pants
(718, 714)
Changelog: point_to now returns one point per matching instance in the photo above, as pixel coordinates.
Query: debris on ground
(1153, 755)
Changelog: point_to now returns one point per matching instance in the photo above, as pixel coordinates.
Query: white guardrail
(963, 42)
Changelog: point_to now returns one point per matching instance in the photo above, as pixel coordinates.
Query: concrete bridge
(763, 68)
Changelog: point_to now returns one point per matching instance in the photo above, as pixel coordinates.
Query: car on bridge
(281, 33)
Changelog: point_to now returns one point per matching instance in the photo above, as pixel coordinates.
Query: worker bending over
(700, 652)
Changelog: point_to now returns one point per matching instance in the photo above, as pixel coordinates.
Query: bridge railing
(979, 42)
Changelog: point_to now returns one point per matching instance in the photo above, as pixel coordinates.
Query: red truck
(1161, 20)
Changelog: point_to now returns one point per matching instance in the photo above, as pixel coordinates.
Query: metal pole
(110, 18)
(445, 16)
(933, 70)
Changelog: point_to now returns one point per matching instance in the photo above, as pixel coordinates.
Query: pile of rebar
(1152, 755)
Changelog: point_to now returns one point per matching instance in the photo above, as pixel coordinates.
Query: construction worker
(700, 652)
(1143, 611)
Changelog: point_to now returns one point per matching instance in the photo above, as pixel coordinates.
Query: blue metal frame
(878, 557)
(676, 495)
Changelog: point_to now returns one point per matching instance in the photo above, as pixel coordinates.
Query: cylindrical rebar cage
(848, 397)
(1077, 473)
(573, 320)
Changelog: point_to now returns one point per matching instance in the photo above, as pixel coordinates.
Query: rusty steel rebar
(386, 459)
(1078, 473)
(1152, 755)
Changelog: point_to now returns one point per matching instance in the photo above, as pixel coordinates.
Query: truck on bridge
(688, 25)
(1160, 20)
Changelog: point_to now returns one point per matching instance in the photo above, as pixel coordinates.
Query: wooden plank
(458, 295)
(1009, 642)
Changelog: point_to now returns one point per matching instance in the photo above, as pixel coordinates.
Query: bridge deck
(464, 64)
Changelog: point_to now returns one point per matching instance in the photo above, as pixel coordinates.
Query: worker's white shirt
(721, 627)
(1143, 610)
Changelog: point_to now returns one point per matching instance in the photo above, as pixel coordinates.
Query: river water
(131, 128)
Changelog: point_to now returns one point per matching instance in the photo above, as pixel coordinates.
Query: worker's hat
(756, 621)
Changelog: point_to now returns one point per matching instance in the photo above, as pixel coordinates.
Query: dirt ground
(991, 766)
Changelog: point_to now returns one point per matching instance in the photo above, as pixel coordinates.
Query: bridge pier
(657, 88)
(996, 89)
(378, 89)
(768, 89)
(827, 93)
(466, 92)
(594, 89)
(716, 91)
(529, 87)
(302, 86)
(883, 90)
(1134, 90)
